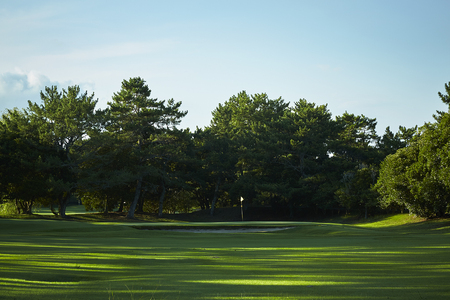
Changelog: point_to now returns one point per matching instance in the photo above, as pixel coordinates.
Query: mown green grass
(51, 259)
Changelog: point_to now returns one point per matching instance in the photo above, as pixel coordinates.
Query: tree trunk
(29, 207)
(161, 198)
(216, 192)
(63, 200)
(130, 214)
(53, 210)
(140, 206)
(17, 206)
(105, 211)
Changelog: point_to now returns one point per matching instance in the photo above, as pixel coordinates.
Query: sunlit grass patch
(272, 281)
(391, 221)
(312, 261)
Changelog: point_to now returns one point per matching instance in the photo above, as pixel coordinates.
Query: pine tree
(138, 121)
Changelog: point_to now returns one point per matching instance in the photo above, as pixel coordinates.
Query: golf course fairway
(53, 259)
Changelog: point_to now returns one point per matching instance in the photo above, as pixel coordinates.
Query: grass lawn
(383, 259)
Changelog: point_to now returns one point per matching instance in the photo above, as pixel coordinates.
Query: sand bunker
(228, 230)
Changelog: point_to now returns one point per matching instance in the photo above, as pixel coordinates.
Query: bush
(8, 208)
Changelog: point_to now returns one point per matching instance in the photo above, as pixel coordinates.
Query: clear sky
(384, 59)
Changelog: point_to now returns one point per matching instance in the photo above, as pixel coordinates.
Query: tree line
(297, 159)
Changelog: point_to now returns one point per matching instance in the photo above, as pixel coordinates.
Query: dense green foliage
(42, 147)
(417, 177)
(297, 159)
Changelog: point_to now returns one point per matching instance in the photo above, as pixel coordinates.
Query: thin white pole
(242, 209)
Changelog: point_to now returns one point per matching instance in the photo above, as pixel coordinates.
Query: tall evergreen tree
(64, 121)
(357, 138)
(217, 163)
(249, 122)
(313, 133)
(138, 120)
(389, 143)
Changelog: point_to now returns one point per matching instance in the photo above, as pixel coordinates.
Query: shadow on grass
(84, 261)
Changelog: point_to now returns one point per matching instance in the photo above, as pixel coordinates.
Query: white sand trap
(230, 230)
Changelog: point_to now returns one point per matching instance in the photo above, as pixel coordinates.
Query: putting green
(50, 259)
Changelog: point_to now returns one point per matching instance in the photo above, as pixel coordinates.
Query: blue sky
(384, 59)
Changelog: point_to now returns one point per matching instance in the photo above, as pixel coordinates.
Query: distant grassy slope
(230, 214)
(382, 221)
(54, 259)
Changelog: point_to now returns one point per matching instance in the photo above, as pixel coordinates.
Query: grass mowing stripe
(268, 282)
(4, 281)
(312, 261)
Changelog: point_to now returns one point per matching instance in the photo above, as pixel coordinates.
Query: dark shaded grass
(42, 259)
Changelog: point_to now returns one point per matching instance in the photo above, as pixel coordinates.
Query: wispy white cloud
(22, 82)
(17, 87)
